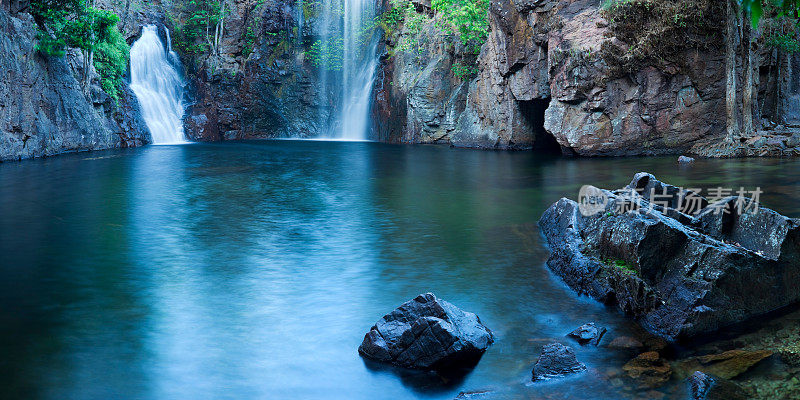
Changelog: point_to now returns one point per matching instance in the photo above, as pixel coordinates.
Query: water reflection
(253, 270)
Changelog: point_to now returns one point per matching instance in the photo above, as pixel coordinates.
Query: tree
(78, 24)
(744, 36)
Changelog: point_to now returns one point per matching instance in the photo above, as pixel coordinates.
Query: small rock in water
(685, 159)
(427, 333)
(556, 360)
(588, 333)
(706, 387)
(648, 369)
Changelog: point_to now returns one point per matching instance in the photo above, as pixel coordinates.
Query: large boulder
(678, 264)
(427, 333)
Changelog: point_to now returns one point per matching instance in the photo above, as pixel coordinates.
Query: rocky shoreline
(691, 271)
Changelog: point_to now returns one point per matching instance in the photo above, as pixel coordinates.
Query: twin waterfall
(158, 86)
(345, 28)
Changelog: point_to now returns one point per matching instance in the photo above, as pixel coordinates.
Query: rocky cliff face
(257, 85)
(44, 109)
(551, 70)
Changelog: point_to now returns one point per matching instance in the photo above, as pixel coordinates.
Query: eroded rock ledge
(680, 273)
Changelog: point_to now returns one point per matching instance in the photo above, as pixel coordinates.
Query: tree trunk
(731, 41)
(748, 128)
(778, 115)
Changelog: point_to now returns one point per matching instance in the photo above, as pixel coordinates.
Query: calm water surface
(253, 270)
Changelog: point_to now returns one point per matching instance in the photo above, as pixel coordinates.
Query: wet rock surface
(556, 360)
(728, 364)
(680, 270)
(588, 333)
(706, 387)
(427, 333)
(648, 370)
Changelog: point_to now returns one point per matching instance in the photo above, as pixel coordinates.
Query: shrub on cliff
(74, 23)
(111, 62)
(468, 19)
(660, 31)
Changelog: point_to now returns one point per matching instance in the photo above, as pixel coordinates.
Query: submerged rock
(728, 364)
(588, 333)
(648, 369)
(427, 333)
(685, 159)
(625, 342)
(555, 361)
(706, 387)
(669, 258)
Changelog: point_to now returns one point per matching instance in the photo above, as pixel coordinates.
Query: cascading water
(158, 87)
(347, 33)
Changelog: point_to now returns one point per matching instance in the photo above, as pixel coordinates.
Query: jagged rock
(588, 333)
(427, 333)
(679, 271)
(705, 387)
(648, 369)
(556, 360)
(685, 159)
(728, 364)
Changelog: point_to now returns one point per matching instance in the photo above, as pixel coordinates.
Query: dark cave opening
(533, 112)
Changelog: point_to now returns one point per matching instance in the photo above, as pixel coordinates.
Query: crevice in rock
(533, 112)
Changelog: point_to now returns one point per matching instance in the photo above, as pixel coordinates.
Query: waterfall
(158, 86)
(347, 31)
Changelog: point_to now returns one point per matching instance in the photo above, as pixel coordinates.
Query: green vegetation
(111, 62)
(785, 41)
(197, 23)
(469, 19)
(774, 8)
(327, 54)
(74, 23)
(622, 266)
(660, 31)
(782, 25)
(462, 71)
(249, 38)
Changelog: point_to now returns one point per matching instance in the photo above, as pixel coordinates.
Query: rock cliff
(557, 73)
(257, 84)
(44, 110)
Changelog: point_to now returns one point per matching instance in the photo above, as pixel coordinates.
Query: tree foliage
(784, 8)
(76, 24)
(469, 19)
(197, 20)
(111, 62)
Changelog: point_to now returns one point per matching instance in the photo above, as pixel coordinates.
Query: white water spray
(158, 87)
(347, 21)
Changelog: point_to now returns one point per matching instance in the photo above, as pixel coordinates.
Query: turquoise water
(253, 270)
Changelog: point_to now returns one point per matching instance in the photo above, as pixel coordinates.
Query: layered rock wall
(44, 108)
(553, 55)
